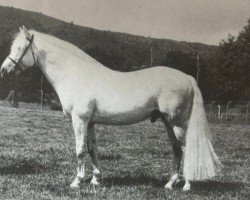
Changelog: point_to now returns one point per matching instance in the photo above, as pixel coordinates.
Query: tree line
(226, 74)
(224, 71)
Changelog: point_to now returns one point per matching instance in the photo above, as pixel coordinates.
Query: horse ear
(26, 32)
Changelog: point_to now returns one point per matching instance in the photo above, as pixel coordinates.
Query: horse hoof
(186, 188)
(94, 181)
(75, 183)
(168, 186)
(177, 181)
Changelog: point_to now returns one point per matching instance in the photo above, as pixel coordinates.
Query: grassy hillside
(123, 48)
(119, 51)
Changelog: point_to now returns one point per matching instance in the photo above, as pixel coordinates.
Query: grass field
(38, 161)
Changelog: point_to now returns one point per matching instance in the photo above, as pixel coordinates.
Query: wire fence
(228, 113)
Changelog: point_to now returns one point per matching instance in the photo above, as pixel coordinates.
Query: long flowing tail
(200, 160)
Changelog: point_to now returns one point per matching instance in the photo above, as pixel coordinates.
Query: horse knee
(81, 153)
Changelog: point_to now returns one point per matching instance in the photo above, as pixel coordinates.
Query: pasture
(38, 160)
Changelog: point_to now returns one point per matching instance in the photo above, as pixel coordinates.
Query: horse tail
(200, 160)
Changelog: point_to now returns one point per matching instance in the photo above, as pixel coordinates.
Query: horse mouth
(3, 72)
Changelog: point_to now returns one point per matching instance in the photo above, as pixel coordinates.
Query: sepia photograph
(124, 99)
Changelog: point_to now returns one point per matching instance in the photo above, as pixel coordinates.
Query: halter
(17, 63)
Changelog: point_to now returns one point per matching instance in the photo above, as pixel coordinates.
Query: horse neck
(57, 64)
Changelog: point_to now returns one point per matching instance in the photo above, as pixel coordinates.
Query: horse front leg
(80, 129)
(92, 149)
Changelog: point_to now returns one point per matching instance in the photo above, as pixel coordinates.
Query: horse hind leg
(177, 151)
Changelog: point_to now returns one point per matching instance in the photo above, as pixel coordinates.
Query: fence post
(218, 111)
(13, 97)
(210, 111)
(247, 112)
(227, 109)
(220, 115)
(41, 92)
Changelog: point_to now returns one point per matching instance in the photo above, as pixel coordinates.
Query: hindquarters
(174, 108)
(176, 104)
(183, 107)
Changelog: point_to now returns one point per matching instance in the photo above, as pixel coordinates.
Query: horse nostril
(3, 72)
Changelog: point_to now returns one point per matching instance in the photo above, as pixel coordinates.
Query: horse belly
(125, 115)
(120, 118)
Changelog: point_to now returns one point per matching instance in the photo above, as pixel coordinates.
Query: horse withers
(93, 94)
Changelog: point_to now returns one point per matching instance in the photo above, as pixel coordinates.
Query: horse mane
(64, 45)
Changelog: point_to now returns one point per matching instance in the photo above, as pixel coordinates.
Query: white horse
(93, 94)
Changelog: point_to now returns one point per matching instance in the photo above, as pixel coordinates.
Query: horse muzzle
(3, 72)
(6, 69)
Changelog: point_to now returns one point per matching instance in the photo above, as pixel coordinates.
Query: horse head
(21, 55)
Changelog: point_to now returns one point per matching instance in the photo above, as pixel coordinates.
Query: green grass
(38, 161)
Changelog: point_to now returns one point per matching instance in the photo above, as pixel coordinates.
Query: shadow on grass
(109, 157)
(131, 181)
(23, 167)
(217, 186)
(196, 186)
